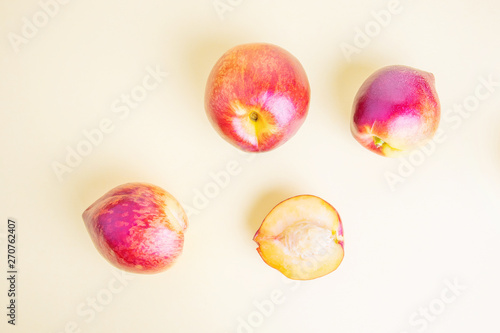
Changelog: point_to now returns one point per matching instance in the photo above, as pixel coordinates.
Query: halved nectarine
(302, 237)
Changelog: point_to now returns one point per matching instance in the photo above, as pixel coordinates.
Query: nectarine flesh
(302, 237)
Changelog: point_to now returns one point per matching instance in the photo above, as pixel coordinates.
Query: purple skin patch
(396, 109)
(135, 227)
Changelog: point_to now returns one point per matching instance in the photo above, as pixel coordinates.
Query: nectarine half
(302, 237)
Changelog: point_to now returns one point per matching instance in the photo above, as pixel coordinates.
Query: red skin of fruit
(395, 110)
(137, 227)
(260, 81)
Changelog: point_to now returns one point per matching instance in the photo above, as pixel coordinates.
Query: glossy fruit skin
(137, 227)
(257, 80)
(396, 110)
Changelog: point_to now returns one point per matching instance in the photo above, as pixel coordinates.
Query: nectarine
(302, 237)
(257, 96)
(395, 110)
(137, 227)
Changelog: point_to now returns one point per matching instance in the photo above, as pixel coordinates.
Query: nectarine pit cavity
(308, 240)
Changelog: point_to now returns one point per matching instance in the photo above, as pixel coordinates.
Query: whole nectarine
(257, 96)
(137, 227)
(396, 110)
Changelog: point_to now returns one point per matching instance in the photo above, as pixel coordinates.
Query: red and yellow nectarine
(137, 227)
(257, 96)
(396, 110)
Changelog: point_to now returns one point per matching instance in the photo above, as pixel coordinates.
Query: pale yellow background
(441, 223)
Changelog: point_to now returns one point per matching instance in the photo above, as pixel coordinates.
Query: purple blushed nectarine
(395, 110)
(302, 237)
(257, 96)
(137, 227)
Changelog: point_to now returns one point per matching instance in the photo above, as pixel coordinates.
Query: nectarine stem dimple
(378, 141)
(254, 116)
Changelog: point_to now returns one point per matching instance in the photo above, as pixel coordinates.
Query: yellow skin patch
(251, 124)
(257, 96)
